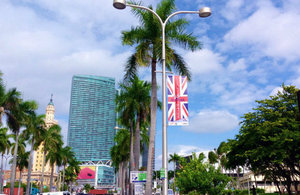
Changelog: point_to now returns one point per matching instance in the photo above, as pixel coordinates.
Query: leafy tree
(200, 177)
(269, 139)
(87, 187)
(147, 39)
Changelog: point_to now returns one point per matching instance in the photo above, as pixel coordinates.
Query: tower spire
(51, 100)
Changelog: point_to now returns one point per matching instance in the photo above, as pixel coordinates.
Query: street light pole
(203, 12)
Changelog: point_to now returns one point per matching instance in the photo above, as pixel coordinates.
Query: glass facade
(105, 175)
(92, 117)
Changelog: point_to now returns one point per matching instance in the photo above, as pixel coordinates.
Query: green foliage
(87, 188)
(269, 138)
(16, 185)
(120, 151)
(46, 189)
(244, 192)
(199, 177)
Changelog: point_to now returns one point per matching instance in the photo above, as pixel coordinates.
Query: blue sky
(249, 49)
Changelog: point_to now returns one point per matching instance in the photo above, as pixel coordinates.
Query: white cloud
(204, 61)
(270, 31)
(237, 66)
(210, 121)
(44, 45)
(181, 150)
(276, 90)
(296, 82)
(232, 8)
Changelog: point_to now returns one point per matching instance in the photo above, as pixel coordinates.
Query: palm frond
(130, 68)
(181, 66)
(142, 54)
(176, 26)
(134, 36)
(165, 8)
(187, 41)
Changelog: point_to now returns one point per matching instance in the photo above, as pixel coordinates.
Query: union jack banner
(177, 100)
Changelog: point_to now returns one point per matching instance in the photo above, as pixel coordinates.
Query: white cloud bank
(210, 121)
(204, 61)
(270, 31)
(181, 150)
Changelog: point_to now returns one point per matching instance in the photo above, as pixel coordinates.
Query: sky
(250, 48)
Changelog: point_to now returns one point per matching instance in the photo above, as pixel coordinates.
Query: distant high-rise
(91, 122)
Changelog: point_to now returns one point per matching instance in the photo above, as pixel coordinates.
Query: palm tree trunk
(51, 178)
(125, 181)
(14, 165)
(137, 144)
(29, 168)
(120, 178)
(43, 169)
(1, 173)
(20, 181)
(174, 175)
(71, 187)
(238, 177)
(58, 180)
(63, 183)
(152, 129)
(131, 164)
(63, 187)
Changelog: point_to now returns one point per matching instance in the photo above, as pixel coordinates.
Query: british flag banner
(177, 100)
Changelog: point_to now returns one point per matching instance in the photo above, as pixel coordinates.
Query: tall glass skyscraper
(92, 119)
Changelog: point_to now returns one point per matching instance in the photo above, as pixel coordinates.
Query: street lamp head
(204, 12)
(119, 4)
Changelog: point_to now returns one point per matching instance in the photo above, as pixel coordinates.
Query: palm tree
(143, 100)
(4, 147)
(174, 158)
(51, 139)
(22, 156)
(212, 157)
(54, 156)
(35, 130)
(147, 40)
(126, 106)
(221, 152)
(119, 154)
(22, 162)
(16, 120)
(73, 170)
(8, 100)
(68, 154)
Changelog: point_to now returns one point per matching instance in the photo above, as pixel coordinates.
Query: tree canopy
(200, 177)
(269, 139)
